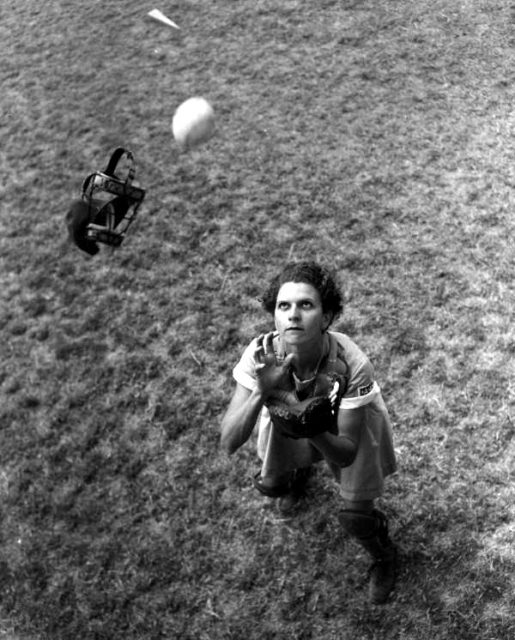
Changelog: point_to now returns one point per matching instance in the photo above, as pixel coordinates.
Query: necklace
(297, 379)
(303, 387)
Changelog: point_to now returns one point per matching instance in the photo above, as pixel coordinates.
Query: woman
(313, 395)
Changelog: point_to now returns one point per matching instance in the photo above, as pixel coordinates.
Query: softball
(193, 122)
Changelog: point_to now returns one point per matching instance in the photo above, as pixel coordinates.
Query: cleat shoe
(382, 576)
(288, 503)
(289, 493)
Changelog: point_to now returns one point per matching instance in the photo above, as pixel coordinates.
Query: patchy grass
(375, 137)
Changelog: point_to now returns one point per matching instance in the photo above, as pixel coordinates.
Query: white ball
(193, 122)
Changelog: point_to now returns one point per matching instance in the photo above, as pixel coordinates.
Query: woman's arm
(341, 449)
(240, 417)
(243, 411)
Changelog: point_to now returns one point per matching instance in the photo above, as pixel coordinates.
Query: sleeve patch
(363, 391)
(362, 400)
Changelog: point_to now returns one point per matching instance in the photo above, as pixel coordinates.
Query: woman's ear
(327, 319)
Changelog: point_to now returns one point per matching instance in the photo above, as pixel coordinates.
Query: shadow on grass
(447, 587)
(447, 580)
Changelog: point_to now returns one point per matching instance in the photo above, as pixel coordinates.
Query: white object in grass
(160, 17)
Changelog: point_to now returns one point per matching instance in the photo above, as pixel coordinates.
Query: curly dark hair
(311, 273)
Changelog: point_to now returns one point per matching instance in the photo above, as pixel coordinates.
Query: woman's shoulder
(244, 371)
(354, 357)
(361, 373)
(347, 347)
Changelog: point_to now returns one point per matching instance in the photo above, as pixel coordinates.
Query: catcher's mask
(107, 207)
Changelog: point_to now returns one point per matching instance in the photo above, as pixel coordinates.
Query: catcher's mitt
(304, 420)
(309, 417)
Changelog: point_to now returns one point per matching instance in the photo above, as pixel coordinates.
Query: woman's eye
(307, 305)
(282, 306)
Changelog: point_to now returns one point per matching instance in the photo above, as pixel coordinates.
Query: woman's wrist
(261, 395)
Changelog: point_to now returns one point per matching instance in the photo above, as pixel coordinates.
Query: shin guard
(371, 531)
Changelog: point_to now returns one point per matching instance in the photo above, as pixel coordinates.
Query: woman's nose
(294, 312)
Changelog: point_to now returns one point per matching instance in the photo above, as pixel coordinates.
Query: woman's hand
(271, 376)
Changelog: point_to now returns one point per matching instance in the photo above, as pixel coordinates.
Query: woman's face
(299, 317)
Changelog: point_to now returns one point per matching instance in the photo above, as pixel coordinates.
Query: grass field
(377, 137)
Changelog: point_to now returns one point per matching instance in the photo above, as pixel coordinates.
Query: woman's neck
(307, 358)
